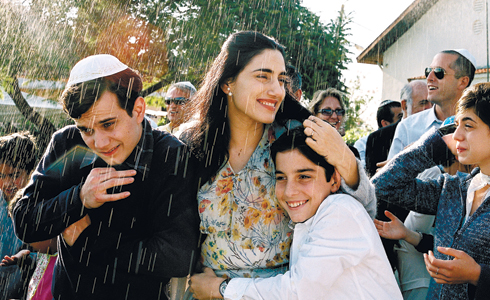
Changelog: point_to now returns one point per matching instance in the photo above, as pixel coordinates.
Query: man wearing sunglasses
(177, 95)
(450, 72)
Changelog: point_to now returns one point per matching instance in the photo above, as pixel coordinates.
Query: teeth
(432, 88)
(268, 104)
(296, 204)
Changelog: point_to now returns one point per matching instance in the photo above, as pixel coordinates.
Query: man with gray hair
(177, 95)
(413, 98)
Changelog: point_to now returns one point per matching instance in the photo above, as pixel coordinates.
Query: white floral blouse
(248, 234)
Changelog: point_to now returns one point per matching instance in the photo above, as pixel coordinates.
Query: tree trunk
(154, 88)
(45, 127)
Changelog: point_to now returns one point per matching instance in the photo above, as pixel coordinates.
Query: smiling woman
(243, 104)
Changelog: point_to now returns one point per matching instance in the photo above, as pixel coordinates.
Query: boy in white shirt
(336, 251)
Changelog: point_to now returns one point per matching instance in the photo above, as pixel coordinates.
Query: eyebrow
(304, 170)
(269, 71)
(468, 119)
(100, 122)
(297, 171)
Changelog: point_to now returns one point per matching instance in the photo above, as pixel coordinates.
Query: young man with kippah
(116, 193)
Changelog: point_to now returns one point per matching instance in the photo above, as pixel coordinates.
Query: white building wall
(449, 24)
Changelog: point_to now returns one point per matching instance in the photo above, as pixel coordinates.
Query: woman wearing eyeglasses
(244, 105)
(328, 106)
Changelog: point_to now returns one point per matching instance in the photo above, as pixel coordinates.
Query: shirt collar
(432, 118)
(139, 159)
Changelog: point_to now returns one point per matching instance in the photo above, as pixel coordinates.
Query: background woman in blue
(460, 262)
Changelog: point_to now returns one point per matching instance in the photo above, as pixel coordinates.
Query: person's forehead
(106, 107)
(443, 60)
(330, 101)
(419, 92)
(177, 92)
(268, 59)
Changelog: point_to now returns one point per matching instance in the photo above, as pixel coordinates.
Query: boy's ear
(335, 181)
(139, 109)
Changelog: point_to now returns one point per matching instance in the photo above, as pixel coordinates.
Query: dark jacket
(134, 245)
(378, 146)
(445, 197)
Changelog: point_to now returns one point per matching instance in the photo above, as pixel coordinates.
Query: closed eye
(108, 124)
(86, 131)
(280, 177)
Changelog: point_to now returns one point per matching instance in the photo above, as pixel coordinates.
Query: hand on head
(326, 141)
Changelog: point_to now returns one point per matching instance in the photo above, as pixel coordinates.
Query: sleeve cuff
(364, 193)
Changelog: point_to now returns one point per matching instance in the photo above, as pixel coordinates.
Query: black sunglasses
(178, 100)
(328, 111)
(439, 72)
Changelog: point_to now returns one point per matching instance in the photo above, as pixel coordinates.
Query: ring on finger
(437, 272)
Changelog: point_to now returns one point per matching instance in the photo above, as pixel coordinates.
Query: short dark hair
(462, 66)
(477, 98)
(79, 98)
(18, 150)
(385, 113)
(295, 76)
(296, 139)
(321, 95)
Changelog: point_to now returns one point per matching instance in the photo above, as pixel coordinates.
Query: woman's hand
(396, 230)
(205, 285)
(462, 269)
(393, 230)
(326, 141)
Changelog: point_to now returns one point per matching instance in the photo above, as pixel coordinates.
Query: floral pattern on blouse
(244, 222)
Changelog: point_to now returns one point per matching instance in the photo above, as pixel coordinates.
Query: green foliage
(319, 52)
(165, 40)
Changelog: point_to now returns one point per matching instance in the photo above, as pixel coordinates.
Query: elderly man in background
(177, 95)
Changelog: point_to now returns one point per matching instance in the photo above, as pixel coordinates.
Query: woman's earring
(229, 92)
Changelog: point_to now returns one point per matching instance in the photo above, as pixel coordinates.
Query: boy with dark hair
(336, 252)
(17, 160)
(116, 193)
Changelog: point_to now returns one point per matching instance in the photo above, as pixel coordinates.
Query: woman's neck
(244, 138)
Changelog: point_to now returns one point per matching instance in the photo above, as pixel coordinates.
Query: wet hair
(477, 98)
(19, 150)
(385, 113)
(296, 139)
(295, 76)
(321, 95)
(209, 138)
(79, 98)
(461, 66)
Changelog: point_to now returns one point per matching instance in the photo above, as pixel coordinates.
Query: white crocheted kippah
(93, 67)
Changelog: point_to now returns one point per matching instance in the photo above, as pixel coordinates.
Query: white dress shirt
(336, 254)
(412, 128)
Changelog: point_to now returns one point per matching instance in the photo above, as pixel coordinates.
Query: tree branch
(45, 127)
